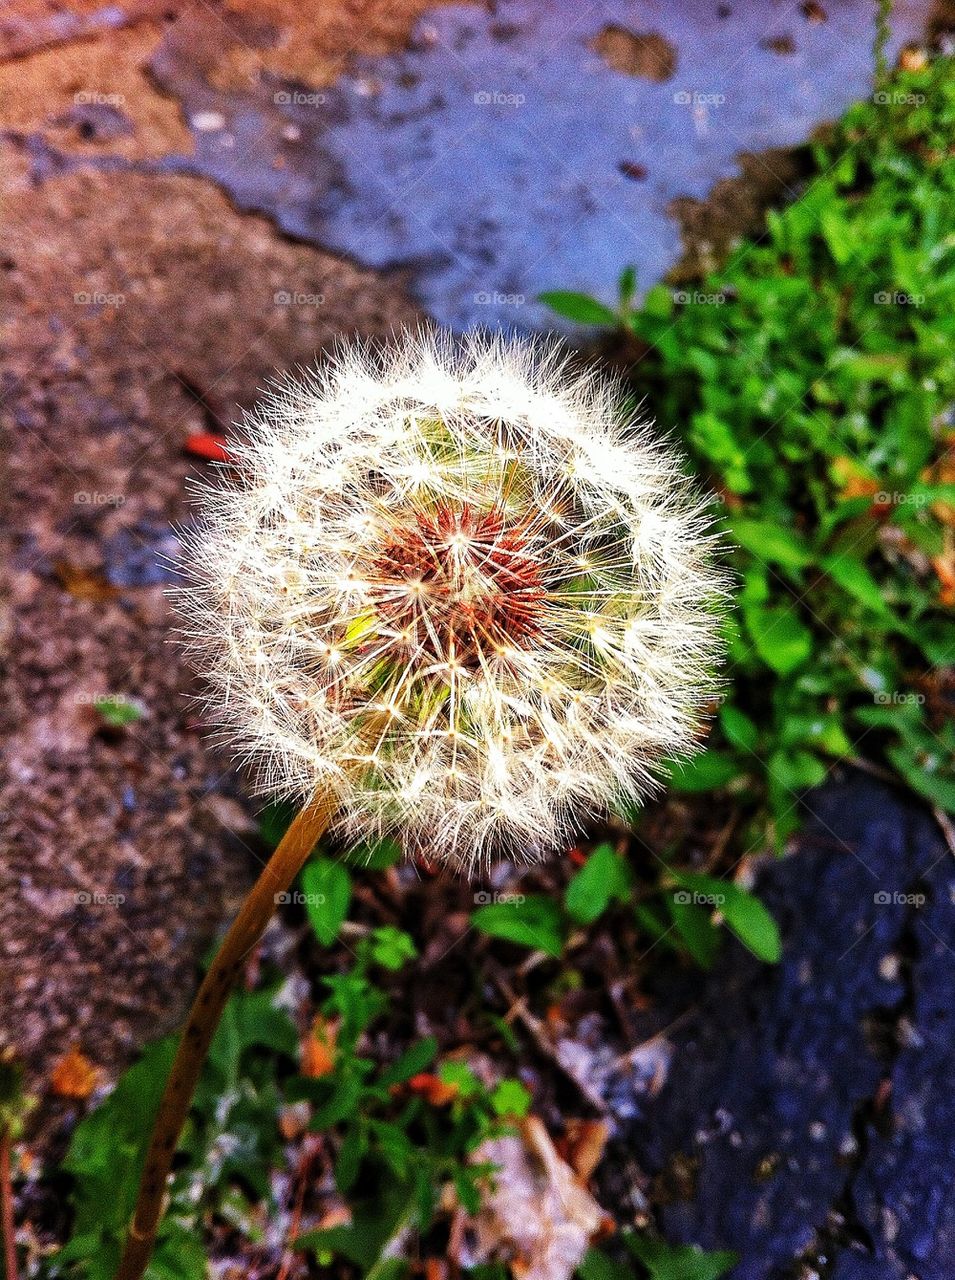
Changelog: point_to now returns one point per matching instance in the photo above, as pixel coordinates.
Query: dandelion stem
(6, 1208)
(246, 930)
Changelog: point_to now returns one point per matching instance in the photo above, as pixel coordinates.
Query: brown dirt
(29, 25)
(94, 97)
(735, 208)
(637, 53)
(311, 43)
(129, 323)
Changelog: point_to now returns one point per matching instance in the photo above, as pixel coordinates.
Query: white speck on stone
(848, 1147)
(207, 121)
(889, 967)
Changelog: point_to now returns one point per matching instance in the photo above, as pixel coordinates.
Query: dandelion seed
(460, 584)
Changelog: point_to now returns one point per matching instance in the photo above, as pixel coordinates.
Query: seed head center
(458, 583)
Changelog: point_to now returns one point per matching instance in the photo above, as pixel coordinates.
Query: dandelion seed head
(458, 582)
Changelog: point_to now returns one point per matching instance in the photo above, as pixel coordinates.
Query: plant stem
(246, 930)
(6, 1208)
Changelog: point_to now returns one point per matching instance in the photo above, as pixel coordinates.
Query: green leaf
(772, 542)
(603, 876)
(468, 1192)
(274, 820)
(533, 921)
(579, 307)
(392, 948)
(346, 1093)
(678, 1261)
(179, 1256)
(350, 1155)
(327, 888)
(697, 932)
(936, 637)
(856, 580)
(119, 712)
(796, 771)
(108, 1146)
(780, 639)
(655, 924)
(706, 771)
(412, 1061)
(936, 788)
(461, 1076)
(396, 1148)
(597, 1266)
(741, 732)
(250, 1020)
(376, 855)
(510, 1098)
(627, 287)
(742, 911)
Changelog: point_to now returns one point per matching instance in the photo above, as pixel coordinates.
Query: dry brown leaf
(74, 1076)
(536, 1217)
(944, 566)
(585, 1143)
(84, 584)
(318, 1049)
(854, 481)
(942, 472)
(433, 1089)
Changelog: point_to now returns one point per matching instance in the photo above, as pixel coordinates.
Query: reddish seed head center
(459, 583)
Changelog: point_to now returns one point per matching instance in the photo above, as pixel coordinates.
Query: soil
(129, 325)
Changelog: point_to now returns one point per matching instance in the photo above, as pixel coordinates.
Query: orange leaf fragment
(203, 444)
(74, 1076)
(433, 1089)
(318, 1049)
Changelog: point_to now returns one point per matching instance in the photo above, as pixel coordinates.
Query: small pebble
(207, 121)
(848, 1147)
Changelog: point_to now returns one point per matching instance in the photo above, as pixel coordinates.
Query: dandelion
(450, 592)
(457, 585)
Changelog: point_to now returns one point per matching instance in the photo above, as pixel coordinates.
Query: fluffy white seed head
(457, 582)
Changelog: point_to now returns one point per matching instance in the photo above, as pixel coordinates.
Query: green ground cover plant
(811, 380)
